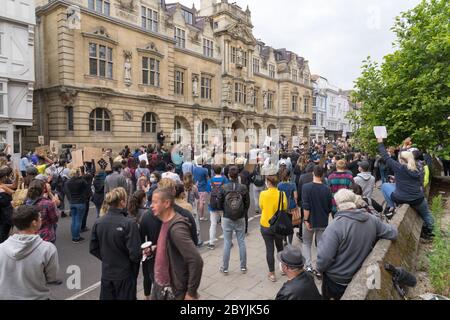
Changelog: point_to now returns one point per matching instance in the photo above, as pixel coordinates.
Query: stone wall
(400, 253)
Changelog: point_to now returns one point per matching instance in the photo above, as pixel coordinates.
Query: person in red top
(46, 207)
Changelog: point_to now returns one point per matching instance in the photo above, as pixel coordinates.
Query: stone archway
(182, 131)
(239, 138)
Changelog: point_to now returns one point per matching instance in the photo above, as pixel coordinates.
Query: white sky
(335, 36)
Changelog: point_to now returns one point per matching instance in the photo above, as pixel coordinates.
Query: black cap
(291, 257)
(364, 165)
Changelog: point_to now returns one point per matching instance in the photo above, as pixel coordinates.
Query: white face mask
(152, 180)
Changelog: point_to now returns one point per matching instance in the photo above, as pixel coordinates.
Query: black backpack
(281, 222)
(234, 204)
(58, 183)
(216, 200)
(258, 179)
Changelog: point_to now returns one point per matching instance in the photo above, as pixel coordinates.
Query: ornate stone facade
(168, 67)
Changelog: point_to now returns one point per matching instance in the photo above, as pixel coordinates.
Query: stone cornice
(56, 3)
(108, 92)
(197, 55)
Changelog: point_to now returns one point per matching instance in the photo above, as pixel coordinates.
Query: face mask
(152, 180)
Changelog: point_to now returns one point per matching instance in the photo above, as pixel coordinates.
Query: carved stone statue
(127, 67)
(239, 56)
(229, 91)
(265, 96)
(195, 86)
(251, 96)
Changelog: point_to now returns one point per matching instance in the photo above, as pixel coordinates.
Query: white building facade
(319, 122)
(17, 22)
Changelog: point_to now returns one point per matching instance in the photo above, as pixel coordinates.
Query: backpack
(258, 180)
(216, 200)
(58, 183)
(234, 204)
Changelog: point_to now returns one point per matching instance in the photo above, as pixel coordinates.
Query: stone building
(17, 22)
(116, 72)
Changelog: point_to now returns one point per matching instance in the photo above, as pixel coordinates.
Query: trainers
(80, 240)
(199, 244)
(317, 274)
(244, 270)
(309, 269)
(211, 246)
(272, 277)
(224, 271)
(389, 213)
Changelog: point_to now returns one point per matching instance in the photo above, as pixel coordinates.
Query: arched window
(177, 132)
(100, 120)
(149, 123)
(205, 129)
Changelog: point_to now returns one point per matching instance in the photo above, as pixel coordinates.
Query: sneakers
(309, 269)
(244, 270)
(272, 277)
(427, 235)
(223, 270)
(80, 240)
(317, 274)
(389, 213)
(199, 244)
(211, 246)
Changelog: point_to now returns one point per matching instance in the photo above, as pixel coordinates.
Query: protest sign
(42, 151)
(380, 132)
(77, 159)
(143, 157)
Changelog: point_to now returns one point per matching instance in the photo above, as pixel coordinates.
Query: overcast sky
(333, 35)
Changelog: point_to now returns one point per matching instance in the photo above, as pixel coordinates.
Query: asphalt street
(75, 259)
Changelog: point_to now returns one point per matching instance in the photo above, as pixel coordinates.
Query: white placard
(143, 157)
(267, 141)
(380, 132)
(295, 141)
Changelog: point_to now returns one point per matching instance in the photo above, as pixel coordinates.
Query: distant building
(17, 22)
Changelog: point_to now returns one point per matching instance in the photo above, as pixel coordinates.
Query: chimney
(207, 7)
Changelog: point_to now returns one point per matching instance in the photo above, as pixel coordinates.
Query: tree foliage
(409, 93)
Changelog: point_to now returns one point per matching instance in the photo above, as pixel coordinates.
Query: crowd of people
(149, 213)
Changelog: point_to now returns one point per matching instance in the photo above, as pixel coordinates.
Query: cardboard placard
(380, 132)
(77, 159)
(295, 141)
(54, 147)
(96, 155)
(42, 151)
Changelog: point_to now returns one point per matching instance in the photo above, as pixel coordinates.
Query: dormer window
(188, 16)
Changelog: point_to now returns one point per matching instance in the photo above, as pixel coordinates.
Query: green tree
(409, 93)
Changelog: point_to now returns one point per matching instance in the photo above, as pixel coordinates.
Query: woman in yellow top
(268, 202)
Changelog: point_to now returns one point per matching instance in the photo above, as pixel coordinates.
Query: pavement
(254, 285)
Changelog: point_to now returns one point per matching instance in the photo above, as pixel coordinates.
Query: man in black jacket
(116, 242)
(235, 203)
(75, 190)
(300, 284)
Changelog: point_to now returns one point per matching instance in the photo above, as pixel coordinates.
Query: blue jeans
(422, 210)
(228, 227)
(382, 169)
(77, 212)
(388, 189)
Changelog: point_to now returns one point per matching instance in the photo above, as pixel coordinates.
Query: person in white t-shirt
(170, 174)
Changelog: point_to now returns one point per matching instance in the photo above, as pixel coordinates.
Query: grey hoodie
(347, 242)
(367, 182)
(27, 263)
